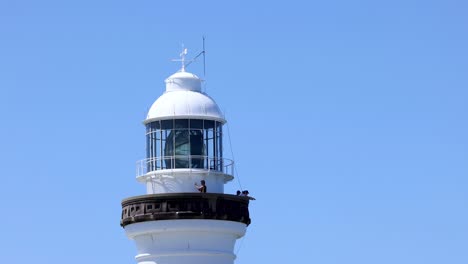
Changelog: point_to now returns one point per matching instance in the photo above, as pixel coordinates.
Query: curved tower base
(185, 241)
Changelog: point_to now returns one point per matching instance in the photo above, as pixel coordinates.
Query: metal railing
(221, 165)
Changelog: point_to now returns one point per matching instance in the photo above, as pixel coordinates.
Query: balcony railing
(221, 165)
(154, 207)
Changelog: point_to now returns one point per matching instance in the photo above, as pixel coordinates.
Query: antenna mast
(192, 60)
(204, 64)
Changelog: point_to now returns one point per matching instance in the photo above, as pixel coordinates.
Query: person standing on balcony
(202, 187)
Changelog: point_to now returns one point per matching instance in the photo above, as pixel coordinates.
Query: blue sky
(348, 122)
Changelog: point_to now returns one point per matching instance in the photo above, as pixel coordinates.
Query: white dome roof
(183, 99)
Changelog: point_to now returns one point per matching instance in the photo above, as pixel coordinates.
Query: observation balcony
(196, 163)
(154, 207)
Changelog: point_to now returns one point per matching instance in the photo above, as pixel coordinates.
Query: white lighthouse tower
(175, 222)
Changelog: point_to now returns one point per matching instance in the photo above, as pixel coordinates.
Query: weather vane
(186, 63)
(182, 58)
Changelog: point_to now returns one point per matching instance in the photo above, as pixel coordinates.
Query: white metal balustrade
(195, 162)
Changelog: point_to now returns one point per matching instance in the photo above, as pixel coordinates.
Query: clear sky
(348, 122)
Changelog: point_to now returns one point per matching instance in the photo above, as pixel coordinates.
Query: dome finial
(182, 58)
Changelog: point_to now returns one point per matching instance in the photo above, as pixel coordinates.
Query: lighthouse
(185, 216)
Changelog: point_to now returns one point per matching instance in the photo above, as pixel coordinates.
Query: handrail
(216, 164)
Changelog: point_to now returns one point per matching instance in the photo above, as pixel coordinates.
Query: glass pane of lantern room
(166, 160)
(177, 146)
(209, 147)
(167, 124)
(196, 123)
(180, 123)
(208, 124)
(148, 149)
(196, 148)
(219, 138)
(157, 149)
(182, 148)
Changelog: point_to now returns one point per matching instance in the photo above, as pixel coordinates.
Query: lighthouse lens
(185, 147)
(177, 148)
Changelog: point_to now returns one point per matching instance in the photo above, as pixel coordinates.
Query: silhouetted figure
(246, 194)
(238, 193)
(202, 187)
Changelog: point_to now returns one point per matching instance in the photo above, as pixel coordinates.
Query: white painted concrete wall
(177, 183)
(185, 241)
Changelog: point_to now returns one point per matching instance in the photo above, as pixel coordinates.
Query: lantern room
(184, 139)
